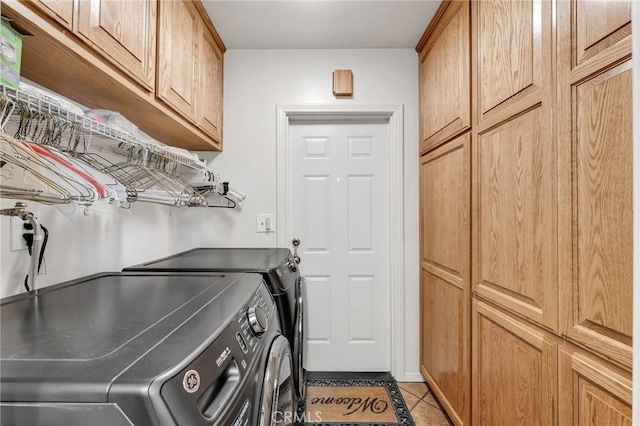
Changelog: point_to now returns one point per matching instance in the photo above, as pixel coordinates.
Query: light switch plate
(265, 223)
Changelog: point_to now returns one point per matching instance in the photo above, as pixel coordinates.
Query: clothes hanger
(37, 164)
(27, 179)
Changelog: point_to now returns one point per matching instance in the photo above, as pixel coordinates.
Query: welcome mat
(351, 402)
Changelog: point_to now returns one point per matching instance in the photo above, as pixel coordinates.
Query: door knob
(296, 244)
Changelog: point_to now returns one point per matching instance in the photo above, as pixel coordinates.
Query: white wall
(107, 239)
(258, 80)
(255, 82)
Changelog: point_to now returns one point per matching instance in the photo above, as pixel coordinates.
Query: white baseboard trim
(411, 377)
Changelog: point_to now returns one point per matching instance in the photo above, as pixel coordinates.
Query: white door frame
(352, 114)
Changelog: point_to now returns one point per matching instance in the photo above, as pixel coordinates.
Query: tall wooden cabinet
(548, 283)
(445, 185)
(444, 276)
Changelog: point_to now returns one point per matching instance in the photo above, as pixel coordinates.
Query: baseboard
(323, 375)
(411, 377)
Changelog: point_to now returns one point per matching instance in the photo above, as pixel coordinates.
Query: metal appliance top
(72, 340)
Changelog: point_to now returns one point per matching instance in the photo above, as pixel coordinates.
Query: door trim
(393, 115)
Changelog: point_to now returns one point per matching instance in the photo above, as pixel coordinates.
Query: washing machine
(138, 349)
(281, 273)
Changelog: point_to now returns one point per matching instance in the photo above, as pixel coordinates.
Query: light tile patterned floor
(425, 409)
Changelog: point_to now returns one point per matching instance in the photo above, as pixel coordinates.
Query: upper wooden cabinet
(178, 55)
(515, 173)
(445, 288)
(158, 63)
(59, 10)
(595, 124)
(123, 31)
(190, 65)
(445, 76)
(209, 96)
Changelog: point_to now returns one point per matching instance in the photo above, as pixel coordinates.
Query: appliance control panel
(254, 320)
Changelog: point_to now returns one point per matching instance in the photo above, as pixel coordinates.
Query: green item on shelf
(10, 54)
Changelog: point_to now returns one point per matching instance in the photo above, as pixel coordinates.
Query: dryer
(163, 349)
(281, 273)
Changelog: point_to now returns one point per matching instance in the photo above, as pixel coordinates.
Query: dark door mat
(354, 399)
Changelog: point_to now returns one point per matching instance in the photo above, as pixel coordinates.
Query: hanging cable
(28, 238)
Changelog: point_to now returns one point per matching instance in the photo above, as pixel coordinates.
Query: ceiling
(320, 24)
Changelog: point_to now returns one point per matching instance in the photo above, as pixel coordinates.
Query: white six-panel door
(339, 208)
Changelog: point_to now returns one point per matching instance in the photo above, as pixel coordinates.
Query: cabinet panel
(445, 78)
(593, 392)
(516, 247)
(60, 10)
(445, 287)
(514, 371)
(124, 32)
(444, 207)
(445, 343)
(178, 45)
(513, 55)
(599, 24)
(601, 303)
(209, 106)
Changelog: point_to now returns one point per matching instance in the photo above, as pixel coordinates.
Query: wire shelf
(102, 135)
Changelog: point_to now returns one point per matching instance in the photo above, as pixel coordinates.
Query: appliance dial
(257, 320)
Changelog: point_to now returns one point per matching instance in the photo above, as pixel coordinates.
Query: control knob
(257, 320)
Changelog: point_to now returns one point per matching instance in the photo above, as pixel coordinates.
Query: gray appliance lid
(70, 341)
(219, 260)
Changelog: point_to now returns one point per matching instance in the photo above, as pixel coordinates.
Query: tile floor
(425, 408)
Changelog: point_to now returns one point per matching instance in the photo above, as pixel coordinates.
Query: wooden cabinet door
(124, 32)
(592, 393)
(514, 371)
(178, 44)
(60, 10)
(599, 25)
(515, 165)
(595, 116)
(445, 77)
(445, 287)
(512, 57)
(209, 105)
